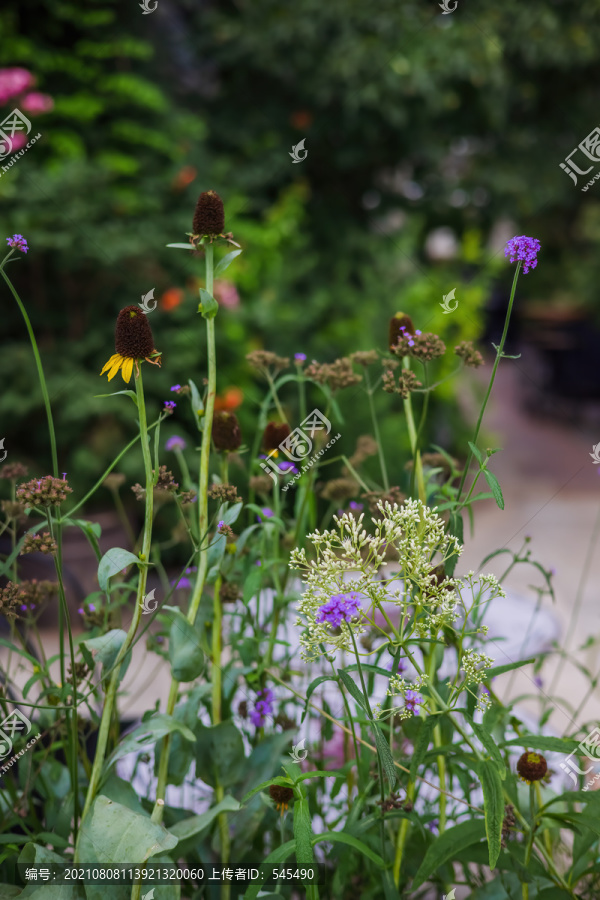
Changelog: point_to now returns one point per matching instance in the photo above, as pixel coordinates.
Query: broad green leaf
(34, 855)
(219, 754)
(252, 585)
(105, 649)
(341, 837)
(185, 653)
(495, 487)
(196, 824)
(312, 687)
(500, 670)
(226, 261)
(385, 754)
(303, 834)
(112, 562)
(208, 305)
(92, 531)
(146, 734)
(112, 833)
(231, 515)
(491, 746)
(353, 688)
(446, 846)
(493, 804)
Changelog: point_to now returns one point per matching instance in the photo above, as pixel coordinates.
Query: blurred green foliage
(413, 121)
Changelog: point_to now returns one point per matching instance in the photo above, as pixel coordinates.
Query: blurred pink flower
(18, 140)
(37, 103)
(13, 82)
(226, 294)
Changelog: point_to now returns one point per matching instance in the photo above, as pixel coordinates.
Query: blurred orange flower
(171, 299)
(184, 177)
(229, 399)
(301, 118)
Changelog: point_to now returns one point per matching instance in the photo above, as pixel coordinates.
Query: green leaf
(385, 754)
(214, 556)
(231, 515)
(219, 754)
(112, 562)
(495, 487)
(114, 834)
(226, 261)
(146, 734)
(197, 405)
(303, 834)
(182, 246)
(446, 846)
(252, 585)
(493, 804)
(105, 649)
(476, 453)
(312, 687)
(421, 745)
(276, 858)
(456, 528)
(208, 305)
(341, 837)
(500, 670)
(544, 742)
(285, 782)
(491, 746)
(34, 855)
(92, 531)
(195, 825)
(353, 688)
(131, 394)
(185, 653)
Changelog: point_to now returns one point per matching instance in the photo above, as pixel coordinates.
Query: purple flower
(300, 357)
(80, 610)
(412, 701)
(159, 639)
(191, 569)
(400, 668)
(176, 387)
(24, 607)
(181, 583)
(18, 241)
(262, 708)
(258, 562)
(221, 523)
(91, 608)
(169, 405)
(538, 682)
(523, 249)
(340, 608)
(176, 443)
(418, 331)
(433, 826)
(355, 506)
(267, 513)
(286, 466)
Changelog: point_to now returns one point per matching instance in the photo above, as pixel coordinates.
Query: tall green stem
(38, 363)
(163, 765)
(499, 353)
(384, 475)
(111, 693)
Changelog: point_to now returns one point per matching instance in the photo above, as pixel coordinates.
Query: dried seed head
(274, 435)
(280, 795)
(209, 216)
(133, 335)
(532, 766)
(226, 432)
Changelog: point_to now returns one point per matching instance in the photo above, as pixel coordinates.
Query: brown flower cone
(209, 216)
(133, 335)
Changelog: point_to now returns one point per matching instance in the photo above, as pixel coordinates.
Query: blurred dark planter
(568, 345)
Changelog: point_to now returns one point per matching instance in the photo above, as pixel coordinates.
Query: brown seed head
(274, 435)
(133, 335)
(226, 433)
(532, 766)
(209, 216)
(281, 796)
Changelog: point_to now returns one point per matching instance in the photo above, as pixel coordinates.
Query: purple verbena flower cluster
(412, 702)
(340, 608)
(175, 443)
(523, 249)
(263, 707)
(18, 241)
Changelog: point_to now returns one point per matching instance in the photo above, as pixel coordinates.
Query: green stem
(384, 474)
(111, 693)
(493, 376)
(38, 363)
(163, 765)
(412, 434)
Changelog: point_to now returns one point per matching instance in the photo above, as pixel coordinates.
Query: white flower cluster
(474, 666)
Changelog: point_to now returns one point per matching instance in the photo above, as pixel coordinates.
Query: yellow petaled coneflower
(133, 343)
